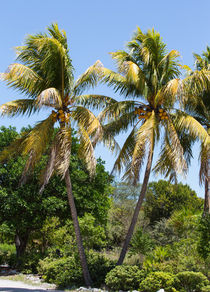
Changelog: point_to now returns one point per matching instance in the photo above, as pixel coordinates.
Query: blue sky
(95, 28)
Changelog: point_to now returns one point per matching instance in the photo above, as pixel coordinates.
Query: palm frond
(88, 79)
(86, 150)
(177, 152)
(49, 97)
(23, 78)
(19, 107)
(94, 101)
(116, 109)
(195, 128)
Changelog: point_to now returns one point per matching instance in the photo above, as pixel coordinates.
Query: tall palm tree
(149, 75)
(44, 73)
(197, 104)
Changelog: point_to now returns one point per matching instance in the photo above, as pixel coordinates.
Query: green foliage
(7, 254)
(163, 198)
(124, 278)
(141, 243)
(93, 234)
(124, 197)
(204, 239)
(191, 281)
(206, 288)
(157, 280)
(66, 271)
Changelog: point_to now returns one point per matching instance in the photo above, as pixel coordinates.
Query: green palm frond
(94, 101)
(23, 78)
(116, 109)
(85, 118)
(124, 157)
(195, 128)
(88, 79)
(19, 107)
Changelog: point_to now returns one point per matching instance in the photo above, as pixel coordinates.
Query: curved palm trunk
(207, 187)
(137, 209)
(82, 256)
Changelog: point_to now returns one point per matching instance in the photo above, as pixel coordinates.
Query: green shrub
(7, 254)
(157, 280)
(64, 272)
(191, 281)
(98, 266)
(206, 288)
(67, 272)
(124, 278)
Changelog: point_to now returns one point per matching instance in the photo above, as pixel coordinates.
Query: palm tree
(44, 73)
(149, 75)
(197, 104)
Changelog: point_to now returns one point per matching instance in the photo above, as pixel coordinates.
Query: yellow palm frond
(176, 149)
(195, 128)
(37, 140)
(85, 118)
(144, 136)
(16, 147)
(86, 150)
(88, 79)
(23, 78)
(19, 107)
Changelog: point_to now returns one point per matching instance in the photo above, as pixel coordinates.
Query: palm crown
(150, 75)
(45, 76)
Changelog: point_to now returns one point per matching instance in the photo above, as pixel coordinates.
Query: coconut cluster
(145, 113)
(61, 116)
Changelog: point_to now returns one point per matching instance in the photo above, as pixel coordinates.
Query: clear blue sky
(95, 28)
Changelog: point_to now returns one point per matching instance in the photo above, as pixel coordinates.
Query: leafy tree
(45, 75)
(148, 74)
(163, 198)
(24, 209)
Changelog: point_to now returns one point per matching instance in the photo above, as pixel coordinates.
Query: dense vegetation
(121, 235)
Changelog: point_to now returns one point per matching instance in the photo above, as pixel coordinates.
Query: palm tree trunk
(207, 186)
(137, 209)
(82, 256)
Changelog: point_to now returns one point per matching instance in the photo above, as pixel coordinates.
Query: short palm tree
(148, 74)
(197, 104)
(44, 73)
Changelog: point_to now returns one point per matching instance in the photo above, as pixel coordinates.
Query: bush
(7, 254)
(191, 281)
(157, 280)
(206, 288)
(124, 278)
(67, 272)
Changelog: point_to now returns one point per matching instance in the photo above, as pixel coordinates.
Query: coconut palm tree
(148, 74)
(197, 104)
(44, 73)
